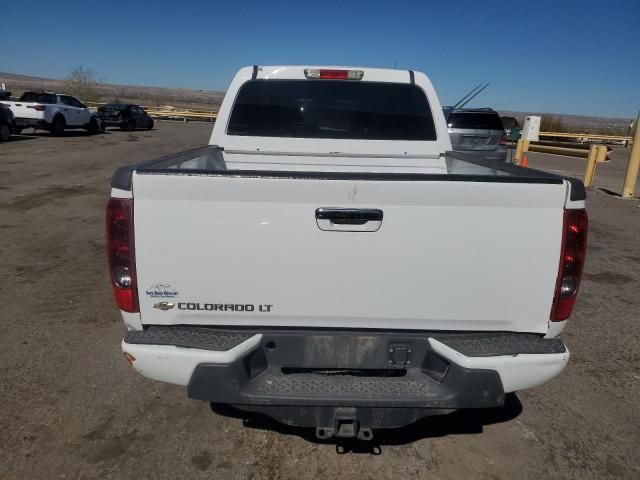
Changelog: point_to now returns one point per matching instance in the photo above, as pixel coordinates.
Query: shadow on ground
(120, 130)
(616, 194)
(20, 138)
(462, 422)
(66, 134)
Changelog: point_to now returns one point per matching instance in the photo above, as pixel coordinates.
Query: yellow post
(629, 186)
(518, 152)
(525, 149)
(591, 166)
(521, 147)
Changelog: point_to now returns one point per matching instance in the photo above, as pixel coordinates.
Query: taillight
(572, 257)
(39, 108)
(121, 253)
(325, 74)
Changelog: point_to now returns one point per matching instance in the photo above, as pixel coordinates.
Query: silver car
(477, 130)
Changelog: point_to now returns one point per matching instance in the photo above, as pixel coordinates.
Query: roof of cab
(266, 72)
(474, 110)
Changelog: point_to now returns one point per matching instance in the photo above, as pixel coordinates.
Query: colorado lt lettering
(224, 307)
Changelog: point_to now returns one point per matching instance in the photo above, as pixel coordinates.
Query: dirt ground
(71, 407)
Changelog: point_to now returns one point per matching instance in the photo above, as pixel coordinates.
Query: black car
(7, 124)
(127, 116)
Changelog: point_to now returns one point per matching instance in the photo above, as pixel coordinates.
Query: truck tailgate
(249, 250)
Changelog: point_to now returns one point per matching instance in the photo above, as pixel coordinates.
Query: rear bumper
(345, 383)
(22, 122)
(174, 364)
(236, 366)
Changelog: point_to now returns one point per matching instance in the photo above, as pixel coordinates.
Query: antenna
(473, 96)
(465, 97)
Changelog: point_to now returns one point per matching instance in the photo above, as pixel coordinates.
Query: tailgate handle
(349, 219)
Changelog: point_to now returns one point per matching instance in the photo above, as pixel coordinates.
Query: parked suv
(54, 112)
(476, 129)
(125, 115)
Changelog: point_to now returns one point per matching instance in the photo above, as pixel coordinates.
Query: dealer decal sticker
(161, 290)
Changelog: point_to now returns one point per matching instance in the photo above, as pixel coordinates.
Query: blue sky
(580, 57)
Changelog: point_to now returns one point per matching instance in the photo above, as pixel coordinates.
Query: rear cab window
(332, 109)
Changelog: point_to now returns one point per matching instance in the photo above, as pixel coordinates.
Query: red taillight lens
(326, 74)
(39, 108)
(121, 253)
(334, 74)
(572, 257)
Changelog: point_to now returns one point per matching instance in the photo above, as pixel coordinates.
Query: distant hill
(149, 96)
(580, 123)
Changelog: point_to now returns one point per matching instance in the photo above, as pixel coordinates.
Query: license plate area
(474, 140)
(344, 351)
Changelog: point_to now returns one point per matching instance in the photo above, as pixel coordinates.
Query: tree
(83, 83)
(551, 123)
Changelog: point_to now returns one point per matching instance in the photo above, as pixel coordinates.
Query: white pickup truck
(327, 261)
(54, 112)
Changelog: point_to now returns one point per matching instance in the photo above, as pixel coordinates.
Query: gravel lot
(71, 407)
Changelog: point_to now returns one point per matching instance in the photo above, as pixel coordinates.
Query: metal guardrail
(183, 114)
(172, 113)
(594, 154)
(587, 136)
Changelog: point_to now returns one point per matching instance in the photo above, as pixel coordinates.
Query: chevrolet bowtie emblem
(164, 305)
